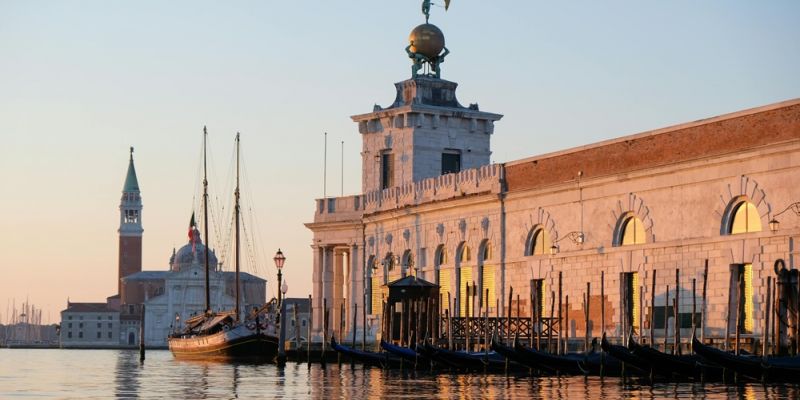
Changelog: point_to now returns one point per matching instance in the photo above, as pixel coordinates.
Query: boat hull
(238, 344)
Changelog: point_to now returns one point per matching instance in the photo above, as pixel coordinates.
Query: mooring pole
(141, 336)
(652, 311)
(703, 306)
(666, 319)
(308, 335)
(677, 348)
(765, 340)
(738, 311)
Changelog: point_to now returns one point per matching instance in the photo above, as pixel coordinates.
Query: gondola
(470, 361)
(676, 366)
(631, 362)
(383, 360)
(778, 369)
(571, 363)
(414, 359)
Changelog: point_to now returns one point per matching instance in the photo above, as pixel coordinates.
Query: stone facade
(677, 190)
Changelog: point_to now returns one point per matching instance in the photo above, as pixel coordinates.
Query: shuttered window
(444, 284)
(488, 283)
(376, 295)
(466, 279)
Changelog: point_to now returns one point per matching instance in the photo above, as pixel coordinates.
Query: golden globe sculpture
(426, 39)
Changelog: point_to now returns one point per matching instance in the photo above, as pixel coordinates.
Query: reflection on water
(110, 373)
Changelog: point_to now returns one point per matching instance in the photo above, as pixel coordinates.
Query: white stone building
(672, 198)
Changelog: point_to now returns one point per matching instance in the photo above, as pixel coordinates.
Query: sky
(81, 82)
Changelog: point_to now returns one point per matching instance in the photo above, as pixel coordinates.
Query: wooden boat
(412, 357)
(470, 361)
(383, 360)
(224, 335)
(675, 366)
(569, 364)
(779, 369)
(630, 362)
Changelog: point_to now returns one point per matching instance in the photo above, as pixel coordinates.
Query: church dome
(185, 257)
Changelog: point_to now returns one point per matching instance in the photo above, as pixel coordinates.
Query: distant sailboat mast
(236, 211)
(205, 220)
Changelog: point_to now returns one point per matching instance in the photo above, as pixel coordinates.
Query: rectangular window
(80, 325)
(387, 170)
(80, 335)
(69, 325)
(109, 335)
(630, 297)
(109, 318)
(70, 318)
(69, 335)
(99, 325)
(98, 335)
(685, 318)
(109, 325)
(742, 281)
(451, 162)
(304, 323)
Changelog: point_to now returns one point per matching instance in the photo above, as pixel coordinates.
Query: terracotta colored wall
(682, 144)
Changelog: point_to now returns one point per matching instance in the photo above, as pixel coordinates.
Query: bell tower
(130, 228)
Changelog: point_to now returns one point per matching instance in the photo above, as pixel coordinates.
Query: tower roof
(131, 183)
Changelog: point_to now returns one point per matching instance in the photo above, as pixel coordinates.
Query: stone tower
(130, 228)
(425, 132)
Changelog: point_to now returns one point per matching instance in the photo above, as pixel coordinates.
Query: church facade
(641, 215)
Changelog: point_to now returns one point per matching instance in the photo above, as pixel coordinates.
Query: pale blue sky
(82, 81)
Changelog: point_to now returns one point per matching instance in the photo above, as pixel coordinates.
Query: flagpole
(325, 168)
(342, 168)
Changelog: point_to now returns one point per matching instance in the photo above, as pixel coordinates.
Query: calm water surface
(106, 374)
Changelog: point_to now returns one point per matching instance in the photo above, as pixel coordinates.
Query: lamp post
(279, 260)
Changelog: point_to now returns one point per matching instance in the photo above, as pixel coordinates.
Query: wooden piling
(466, 319)
(566, 317)
(324, 328)
(552, 318)
(738, 313)
(586, 325)
(703, 307)
(603, 302)
(449, 313)
(765, 337)
(694, 307)
(652, 311)
(308, 334)
(535, 318)
(486, 323)
(532, 330)
(666, 319)
(355, 318)
(560, 307)
(677, 348)
(141, 336)
(588, 315)
(508, 320)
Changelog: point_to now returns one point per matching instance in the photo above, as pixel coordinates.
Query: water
(104, 374)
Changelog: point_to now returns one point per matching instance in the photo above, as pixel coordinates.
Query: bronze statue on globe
(426, 46)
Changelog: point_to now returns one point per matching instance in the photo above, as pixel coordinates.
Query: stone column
(327, 286)
(356, 292)
(317, 290)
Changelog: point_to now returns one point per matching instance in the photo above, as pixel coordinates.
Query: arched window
(442, 274)
(392, 271)
(629, 230)
(744, 218)
(487, 274)
(538, 242)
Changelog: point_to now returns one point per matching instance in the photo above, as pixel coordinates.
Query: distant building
(90, 325)
(297, 322)
(177, 292)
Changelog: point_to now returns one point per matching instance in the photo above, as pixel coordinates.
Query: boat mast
(205, 219)
(236, 213)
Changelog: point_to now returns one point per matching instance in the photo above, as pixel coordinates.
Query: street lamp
(774, 223)
(284, 289)
(575, 237)
(279, 260)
